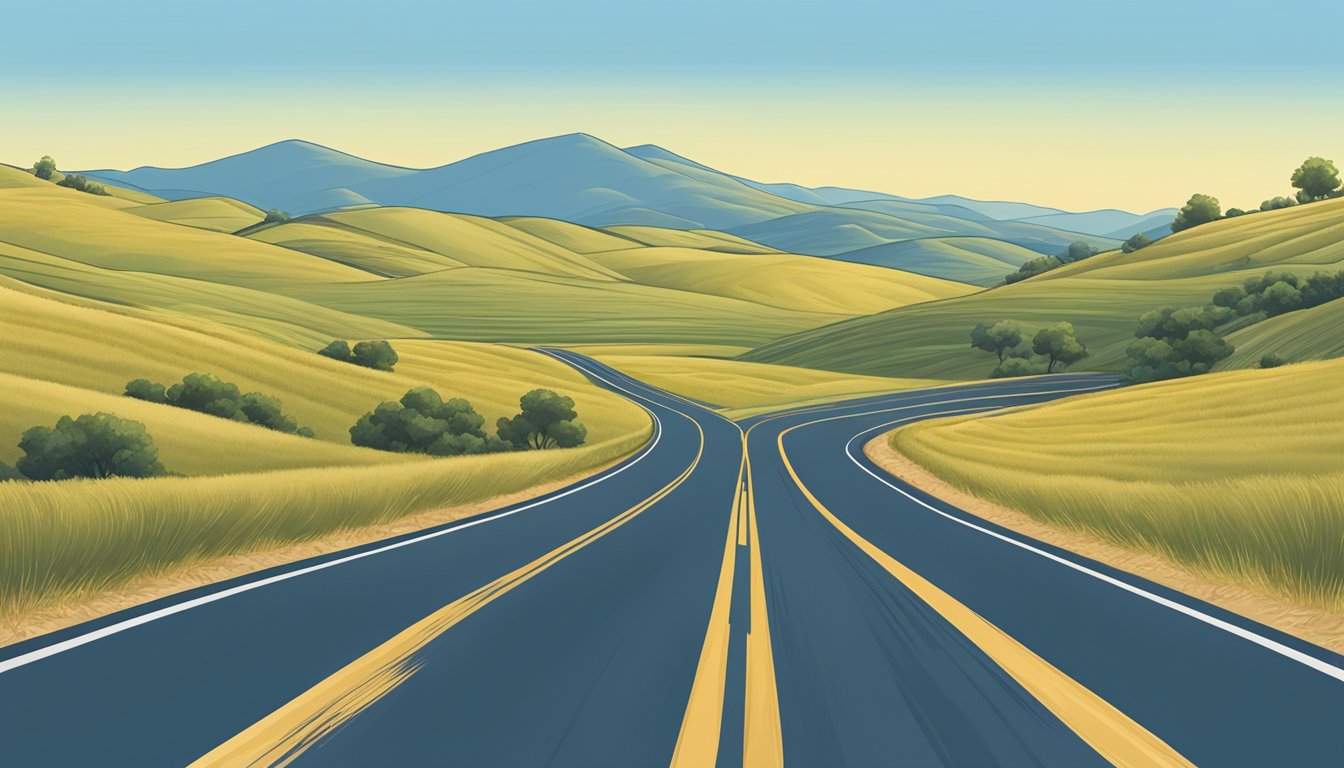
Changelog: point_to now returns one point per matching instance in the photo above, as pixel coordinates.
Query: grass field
(1103, 297)
(1236, 474)
(742, 389)
(217, 214)
(60, 541)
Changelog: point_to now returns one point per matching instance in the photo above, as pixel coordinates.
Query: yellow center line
(1110, 732)
(763, 738)
(698, 740)
(285, 734)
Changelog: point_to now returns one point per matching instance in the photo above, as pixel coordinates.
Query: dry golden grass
(1236, 474)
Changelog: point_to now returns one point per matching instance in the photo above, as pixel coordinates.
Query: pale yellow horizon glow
(1076, 148)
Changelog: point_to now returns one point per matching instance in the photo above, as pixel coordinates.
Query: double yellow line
(763, 741)
(284, 735)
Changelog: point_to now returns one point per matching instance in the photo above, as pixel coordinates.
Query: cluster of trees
(207, 393)
(378, 355)
(95, 445)
(82, 184)
(1077, 251)
(423, 422)
(1275, 293)
(1052, 347)
(1316, 179)
(1136, 242)
(1172, 343)
(45, 168)
(275, 216)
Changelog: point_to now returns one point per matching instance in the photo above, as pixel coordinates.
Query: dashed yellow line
(285, 734)
(1110, 732)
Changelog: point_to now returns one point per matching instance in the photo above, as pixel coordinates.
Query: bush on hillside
(44, 168)
(144, 389)
(1017, 366)
(1176, 342)
(82, 184)
(1033, 267)
(378, 355)
(545, 420)
(1277, 203)
(96, 445)
(1272, 360)
(423, 422)
(275, 216)
(209, 394)
(1199, 209)
(1136, 243)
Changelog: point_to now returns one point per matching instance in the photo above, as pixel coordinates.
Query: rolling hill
(580, 179)
(1102, 297)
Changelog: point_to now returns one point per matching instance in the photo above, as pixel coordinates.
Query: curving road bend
(697, 604)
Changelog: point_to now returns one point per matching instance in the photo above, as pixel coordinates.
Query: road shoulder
(1322, 628)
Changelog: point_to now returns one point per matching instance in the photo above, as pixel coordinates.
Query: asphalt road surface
(733, 594)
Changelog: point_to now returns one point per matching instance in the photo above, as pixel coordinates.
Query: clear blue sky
(886, 94)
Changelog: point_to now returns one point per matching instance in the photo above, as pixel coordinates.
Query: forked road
(691, 605)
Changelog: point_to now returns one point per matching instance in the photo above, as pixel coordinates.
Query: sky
(1131, 105)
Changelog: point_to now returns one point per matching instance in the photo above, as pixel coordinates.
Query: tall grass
(1236, 475)
(61, 540)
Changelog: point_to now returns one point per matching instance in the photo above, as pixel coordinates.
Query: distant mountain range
(582, 179)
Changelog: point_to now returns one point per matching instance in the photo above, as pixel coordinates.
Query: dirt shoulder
(1322, 628)
(142, 590)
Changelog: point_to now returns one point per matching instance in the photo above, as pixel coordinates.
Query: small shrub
(144, 389)
(1016, 366)
(305, 432)
(378, 355)
(1272, 360)
(338, 350)
(44, 168)
(1138, 242)
(96, 445)
(82, 184)
(423, 422)
(275, 216)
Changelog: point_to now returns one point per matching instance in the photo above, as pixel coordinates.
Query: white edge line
(135, 621)
(1283, 650)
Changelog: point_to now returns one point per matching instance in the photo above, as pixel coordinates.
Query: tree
(1078, 250)
(82, 184)
(547, 419)
(275, 216)
(1229, 297)
(144, 389)
(207, 393)
(1315, 179)
(1233, 213)
(423, 422)
(1279, 298)
(1032, 268)
(267, 411)
(1173, 323)
(1136, 242)
(96, 445)
(375, 354)
(8, 473)
(1059, 344)
(1272, 360)
(997, 338)
(44, 168)
(338, 350)
(1200, 209)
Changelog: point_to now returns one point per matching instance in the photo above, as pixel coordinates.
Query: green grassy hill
(976, 260)
(1102, 297)
(218, 214)
(1236, 474)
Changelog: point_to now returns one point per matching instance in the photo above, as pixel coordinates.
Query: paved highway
(697, 604)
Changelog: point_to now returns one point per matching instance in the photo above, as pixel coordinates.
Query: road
(697, 604)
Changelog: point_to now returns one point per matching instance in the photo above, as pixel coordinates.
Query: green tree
(1272, 360)
(1136, 243)
(144, 389)
(338, 350)
(546, 420)
(423, 422)
(207, 393)
(375, 354)
(1277, 203)
(1199, 209)
(44, 168)
(1279, 298)
(1032, 268)
(8, 473)
(1315, 179)
(1078, 250)
(94, 445)
(1016, 366)
(267, 411)
(1229, 297)
(996, 338)
(275, 216)
(1059, 344)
